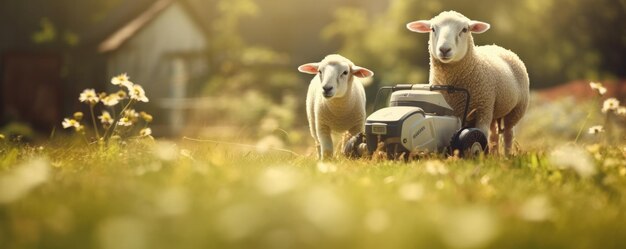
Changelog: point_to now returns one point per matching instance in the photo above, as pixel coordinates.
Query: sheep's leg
(494, 137)
(484, 121)
(326, 142)
(508, 140)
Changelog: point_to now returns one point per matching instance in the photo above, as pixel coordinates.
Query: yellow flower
(121, 94)
(131, 114)
(106, 118)
(146, 117)
(89, 96)
(1, 136)
(136, 92)
(122, 80)
(67, 123)
(596, 129)
(598, 87)
(145, 132)
(124, 121)
(111, 100)
(78, 116)
(610, 104)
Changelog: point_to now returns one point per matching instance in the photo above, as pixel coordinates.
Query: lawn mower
(414, 119)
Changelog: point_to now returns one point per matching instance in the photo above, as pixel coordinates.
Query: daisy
(125, 122)
(121, 94)
(122, 80)
(111, 100)
(598, 87)
(596, 129)
(68, 122)
(610, 104)
(145, 132)
(136, 92)
(89, 96)
(106, 118)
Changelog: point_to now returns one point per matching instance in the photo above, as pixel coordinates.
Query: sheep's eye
(464, 30)
(345, 73)
(433, 29)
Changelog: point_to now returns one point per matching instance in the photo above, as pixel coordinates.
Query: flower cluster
(610, 106)
(119, 124)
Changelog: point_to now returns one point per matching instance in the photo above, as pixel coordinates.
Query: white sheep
(495, 77)
(335, 100)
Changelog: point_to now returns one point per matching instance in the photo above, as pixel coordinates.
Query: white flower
(136, 92)
(124, 121)
(89, 96)
(610, 104)
(145, 132)
(575, 158)
(106, 118)
(596, 129)
(621, 111)
(67, 123)
(122, 80)
(598, 87)
(131, 114)
(111, 100)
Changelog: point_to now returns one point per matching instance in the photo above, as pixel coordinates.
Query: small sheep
(335, 100)
(495, 77)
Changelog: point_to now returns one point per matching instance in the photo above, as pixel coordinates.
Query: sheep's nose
(327, 89)
(444, 50)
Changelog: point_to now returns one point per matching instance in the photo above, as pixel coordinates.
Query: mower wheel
(351, 148)
(470, 142)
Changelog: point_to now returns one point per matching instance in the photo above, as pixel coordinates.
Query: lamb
(495, 77)
(335, 100)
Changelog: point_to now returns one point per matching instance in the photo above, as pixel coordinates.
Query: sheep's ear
(422, 26)
(310, 68)
(361, 72)
(479, 27)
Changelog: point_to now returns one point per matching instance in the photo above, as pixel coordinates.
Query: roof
(131, 17)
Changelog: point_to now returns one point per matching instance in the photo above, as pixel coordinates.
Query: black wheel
(351, 148)
(470, 142)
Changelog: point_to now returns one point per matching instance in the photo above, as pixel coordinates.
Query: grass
(148, 194)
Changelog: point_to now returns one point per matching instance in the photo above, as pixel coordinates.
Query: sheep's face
(335, 75)
(450, 35)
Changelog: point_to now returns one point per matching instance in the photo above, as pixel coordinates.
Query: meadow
(564, 188)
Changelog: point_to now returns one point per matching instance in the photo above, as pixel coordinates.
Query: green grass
(194, 195)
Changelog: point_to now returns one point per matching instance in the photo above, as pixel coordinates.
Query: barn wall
(147, 56)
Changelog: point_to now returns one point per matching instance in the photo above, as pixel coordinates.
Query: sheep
(495, 77)
(335, 100)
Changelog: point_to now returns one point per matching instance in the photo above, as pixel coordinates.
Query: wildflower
(145, 132)
(78, 116)
(575, 158)
(146, 117)
(106, 118)
(110, 100)
(621, 111)
(136, 92)
(131, 114)
(125, 121)
(122, 80)
(610, 104)
(596, 129)
(89, 96)
(2, 137)
(598, 87)
(67, 123)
